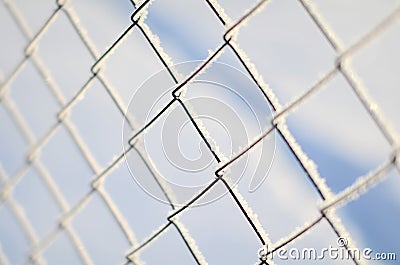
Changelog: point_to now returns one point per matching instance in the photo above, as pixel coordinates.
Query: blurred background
(69, 195)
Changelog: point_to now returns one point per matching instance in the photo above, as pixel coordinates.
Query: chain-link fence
(66, 194)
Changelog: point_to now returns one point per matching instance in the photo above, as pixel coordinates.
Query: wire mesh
(100, 172)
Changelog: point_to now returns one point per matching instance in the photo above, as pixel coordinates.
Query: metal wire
(38, 245)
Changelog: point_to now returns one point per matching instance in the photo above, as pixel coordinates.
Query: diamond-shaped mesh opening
(34, 100)
(338, 111)
(131, 195)
(69, 168)
(38, 204)
(229, 235)
(105, 230)
(109, 16)
(170, 245)
(75, 56)
(61, 251)
(179, 35)
(100, 125)
(268, 41)
(123, 58)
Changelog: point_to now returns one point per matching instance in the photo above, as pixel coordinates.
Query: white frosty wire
(360, 186)
(3, 257)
